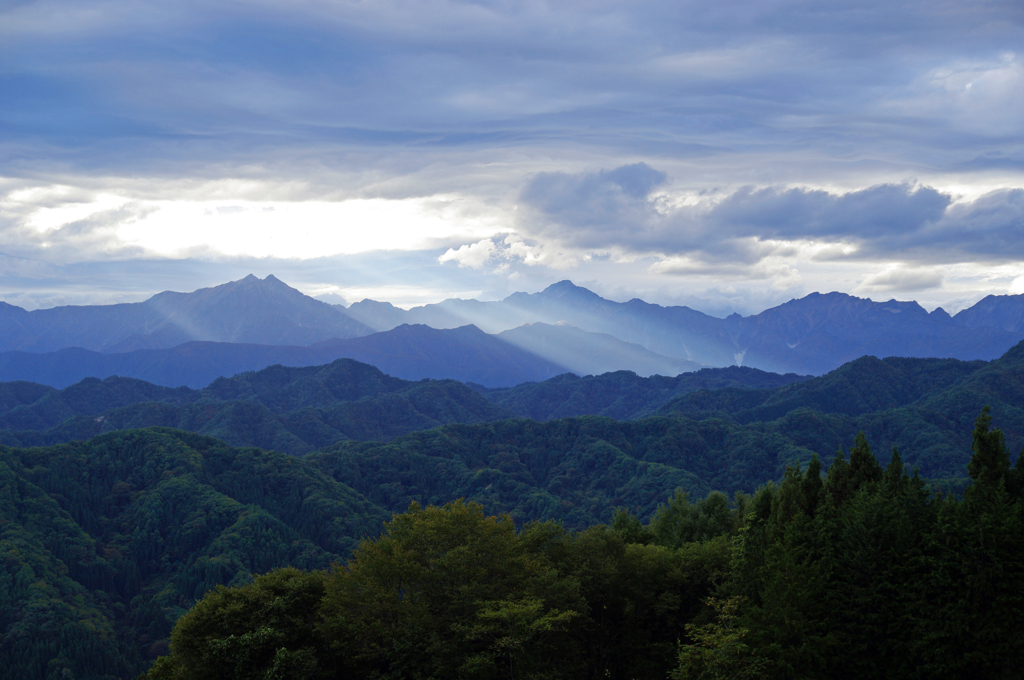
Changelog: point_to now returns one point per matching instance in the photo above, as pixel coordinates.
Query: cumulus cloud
(474, 255)
(599, 201)
(881, 222)
(990, 226)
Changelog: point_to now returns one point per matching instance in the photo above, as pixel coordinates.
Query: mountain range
(732, 428)
(410, 352)
(109, 541)
(813, 334)
(298, 410)
(191, 338)
(250, 310)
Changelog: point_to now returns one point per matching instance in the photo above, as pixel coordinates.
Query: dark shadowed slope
(288, 409)
(465, 353)
(626, 396)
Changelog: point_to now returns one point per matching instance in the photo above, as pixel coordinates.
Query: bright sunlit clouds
(302, 230)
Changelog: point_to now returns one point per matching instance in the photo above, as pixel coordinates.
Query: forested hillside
(106, 543)
(728, 439)
(624, 395)
(854, 572)
(295, 410)
(301, 409)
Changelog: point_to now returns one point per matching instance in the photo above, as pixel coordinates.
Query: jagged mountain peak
(1002, 311)
(567, 288)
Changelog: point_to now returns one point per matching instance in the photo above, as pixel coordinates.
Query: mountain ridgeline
(189, 339)
(728, 428)
(814, 334)
(298, 410)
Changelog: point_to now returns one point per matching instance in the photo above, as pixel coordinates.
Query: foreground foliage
(857, 572)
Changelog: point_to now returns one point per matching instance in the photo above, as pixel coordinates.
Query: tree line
(857, 571)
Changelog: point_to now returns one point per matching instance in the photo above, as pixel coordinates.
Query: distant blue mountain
(812, 335)
(562, 328)
(585, 353)
(251, 310)
(409, 352)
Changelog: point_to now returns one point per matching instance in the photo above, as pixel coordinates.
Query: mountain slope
(246, 311)
(108, 542)
(1001, 311)
(818, 333)
(624, 395)
(409, 352)
(466, 353)
(578, 469)
(586, 353)
(287, 409)
(813, 334)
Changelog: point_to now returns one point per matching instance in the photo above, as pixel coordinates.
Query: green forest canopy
(859, 572)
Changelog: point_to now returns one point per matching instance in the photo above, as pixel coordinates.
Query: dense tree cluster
(450, 592)
(855, 572)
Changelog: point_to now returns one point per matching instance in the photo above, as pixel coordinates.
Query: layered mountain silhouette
(191, 338)
(813, 334)
(251, 310)
(294, 410)
(410, 352)
(297, 410)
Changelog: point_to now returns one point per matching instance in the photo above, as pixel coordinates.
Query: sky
(726, 156)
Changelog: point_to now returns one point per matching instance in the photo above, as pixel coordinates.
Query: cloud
(781, 275)
(899, 279)
(799, 213)
(990, 226)
(985, 97)
(904, 221)
(473, 256)
(598, 200)
(741, 138)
